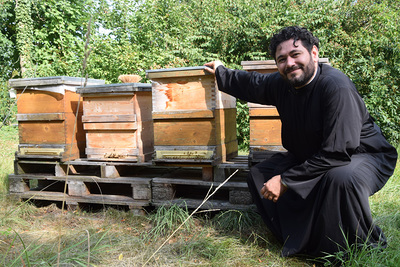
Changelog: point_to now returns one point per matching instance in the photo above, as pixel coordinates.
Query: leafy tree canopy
(129, 36)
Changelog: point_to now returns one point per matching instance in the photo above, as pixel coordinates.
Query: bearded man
(314, 197)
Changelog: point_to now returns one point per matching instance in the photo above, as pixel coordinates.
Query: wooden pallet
(74, 190)
(136, 185)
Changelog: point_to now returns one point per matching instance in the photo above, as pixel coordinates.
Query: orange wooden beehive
(117, 121)
(193, 121)
(265, 124)
(49, 121)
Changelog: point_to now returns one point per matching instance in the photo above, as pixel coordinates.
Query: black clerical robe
(337, 157)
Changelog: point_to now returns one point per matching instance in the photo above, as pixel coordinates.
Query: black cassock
(337, 157)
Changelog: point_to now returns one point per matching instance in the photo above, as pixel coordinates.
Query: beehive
(49, 117)
(117, 121)
(193, 121)
(265, 124)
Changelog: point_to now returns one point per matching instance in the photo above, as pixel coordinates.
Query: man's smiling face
(295, 63)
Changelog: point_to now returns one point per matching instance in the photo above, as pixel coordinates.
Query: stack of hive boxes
(117, 121)
(49, 117)
(194, 123)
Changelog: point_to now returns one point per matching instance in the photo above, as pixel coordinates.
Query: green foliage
(59, 36)
(7, 49)
(8, 145)
(236, 220)
(7, 107)
(167, 219)
(242, 125)
(83, 250)
(359, 37)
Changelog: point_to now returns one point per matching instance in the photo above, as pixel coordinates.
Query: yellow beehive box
(49, 117)
(193, 121)
(117, 121)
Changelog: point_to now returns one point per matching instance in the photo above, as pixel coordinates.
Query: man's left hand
(273, 188)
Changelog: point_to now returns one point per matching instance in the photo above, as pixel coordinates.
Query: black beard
(308, 72)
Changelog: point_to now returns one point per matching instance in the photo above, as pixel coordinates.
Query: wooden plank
(52, 132)
(162, 191)
(186, 114)
(195, 132)
(83, 178)
(17, 185)
(185, 93)
(54, 80)
(108, 105)
(41, 151)
(227, 146)
(91, 199)
(112, 153)
(77, 188)
(75, 137)
(113, 89)
(202, 183)
(124, 150)
(145, 140)
(111, 126)
(109, 118)
(258, 62)
(185, 154)
(185, 162)
(109, 171)
(271, 68)
(143, 106)
(208, 174)
(226, 126)
(41, 117)
(111, 140)
(264, 112)
(177, 72)
(33, 101)
(142, 191)
(265, 132)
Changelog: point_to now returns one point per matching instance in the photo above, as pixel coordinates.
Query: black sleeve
(248, 86)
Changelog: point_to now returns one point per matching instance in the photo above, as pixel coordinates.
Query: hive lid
(117, 87)
(56, 84)
(55, 80)
(177, 72)
(259, 65)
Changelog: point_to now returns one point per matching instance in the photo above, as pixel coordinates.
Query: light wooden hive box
(117, 121)
(265, 124)
(49, 121)
(193, 121)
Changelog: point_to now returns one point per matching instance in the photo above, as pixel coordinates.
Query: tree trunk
(24, 35)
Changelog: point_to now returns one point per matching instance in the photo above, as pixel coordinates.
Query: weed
(236, 220)
(354, 254)
(167, 219)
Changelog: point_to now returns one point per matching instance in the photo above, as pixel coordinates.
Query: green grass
(48, 236)
(8, 146)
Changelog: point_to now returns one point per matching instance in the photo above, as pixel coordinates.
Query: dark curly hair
(307, 39)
